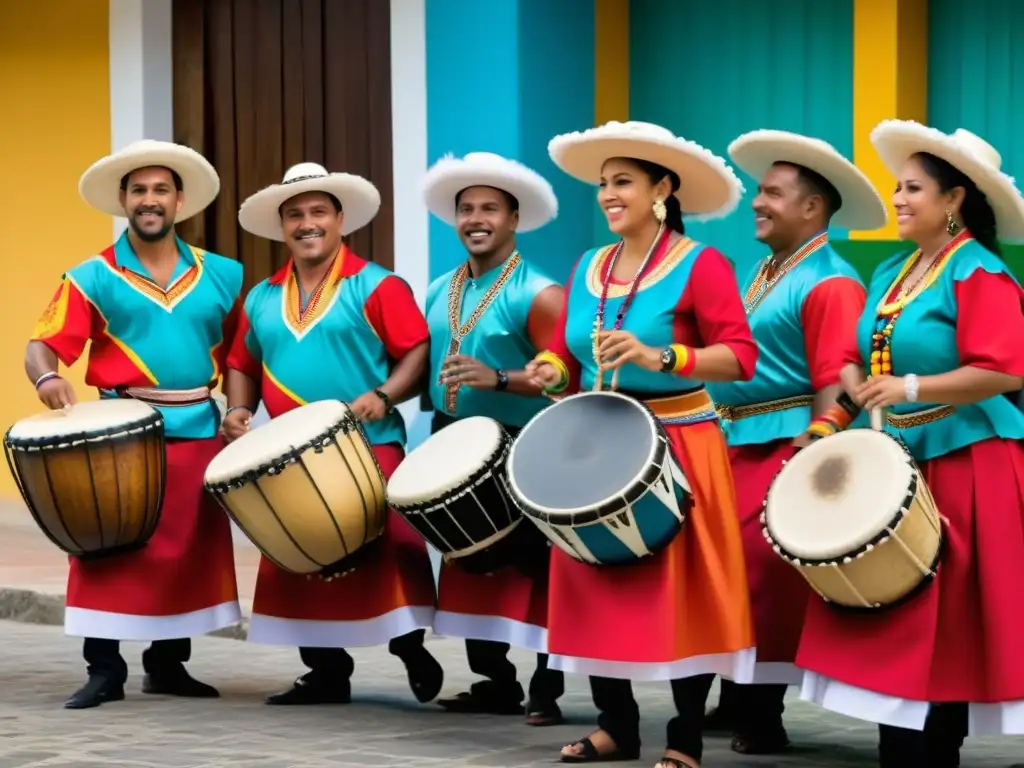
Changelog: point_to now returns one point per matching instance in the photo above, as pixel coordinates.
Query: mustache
(149, 209)
(305, 232)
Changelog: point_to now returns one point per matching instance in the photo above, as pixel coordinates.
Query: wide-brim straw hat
(896, 141)
(756, 152)
(451, 175)
(359, 198)
(100, 185)
(708, 187)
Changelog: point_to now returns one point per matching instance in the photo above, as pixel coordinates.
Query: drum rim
(70, 440)
(425, 508)
(916, 480)
(593, 513)
(282, 461)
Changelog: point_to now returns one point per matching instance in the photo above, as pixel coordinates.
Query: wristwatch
(502, 384)
(668, 359)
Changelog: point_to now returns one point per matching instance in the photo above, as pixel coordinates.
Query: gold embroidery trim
(737, 412)
(762, 286)
(321, 297)
(676, 254)
(919, 418)
(461, 331)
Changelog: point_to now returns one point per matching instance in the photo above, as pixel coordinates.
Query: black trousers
(489, 659)
(619, 715)
(104, 657)
(334, 665)
(937, 746)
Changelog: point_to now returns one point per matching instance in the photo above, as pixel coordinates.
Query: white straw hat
(359, 198)
(708, 187)
(862, 209)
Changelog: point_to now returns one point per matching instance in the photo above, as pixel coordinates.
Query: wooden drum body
(305, 488)
(93, 475)
(854, 515)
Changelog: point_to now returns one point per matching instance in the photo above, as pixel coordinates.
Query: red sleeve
(542, 319)
(66, 324)
(228, 330)
(557, 345)
(711, 311)
(396, 318)
(990, 322)
(244, 354)
(829, 316)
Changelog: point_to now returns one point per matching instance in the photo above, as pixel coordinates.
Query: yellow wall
(890, 80)
(54, 88)
(611, 61)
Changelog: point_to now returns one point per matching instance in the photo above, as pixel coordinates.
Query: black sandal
(469, 703)
(541, 716)
(589, 754)
(672, 762)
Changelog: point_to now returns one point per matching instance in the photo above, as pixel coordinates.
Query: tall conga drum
(305, 488)
(92, 475)
(595, 472)
(853, 514)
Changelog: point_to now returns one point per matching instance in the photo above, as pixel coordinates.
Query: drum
(305, 488)
(92, 475)
(453, 490)
(595, 472)
(854, 515)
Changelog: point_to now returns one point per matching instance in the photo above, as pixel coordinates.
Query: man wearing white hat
(803, 303)
(488, 318)
(330, 325)
(154, 309)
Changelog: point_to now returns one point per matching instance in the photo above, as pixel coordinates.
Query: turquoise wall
(710, 71)
(976, 73)
(505, 76)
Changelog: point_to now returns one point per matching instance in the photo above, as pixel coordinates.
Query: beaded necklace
(763, 284)
(888, 312)
(621, 314)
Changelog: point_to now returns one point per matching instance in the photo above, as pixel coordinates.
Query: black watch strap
(388, 405)
(502, 384)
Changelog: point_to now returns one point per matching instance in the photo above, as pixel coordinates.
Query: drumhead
(273, 440)
(582, 452)
(445, 460)
(97, 416)
(838, 494)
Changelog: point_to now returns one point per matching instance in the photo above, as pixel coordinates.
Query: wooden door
(260, 85)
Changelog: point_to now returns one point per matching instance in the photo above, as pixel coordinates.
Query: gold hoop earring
(660, 212)
(951, 226)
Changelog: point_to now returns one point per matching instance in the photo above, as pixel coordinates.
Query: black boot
(97, 690)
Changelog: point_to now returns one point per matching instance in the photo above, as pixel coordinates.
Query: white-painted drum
(854, 515)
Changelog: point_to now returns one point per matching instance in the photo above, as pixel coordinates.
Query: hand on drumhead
(880, 392)
(57, 394)
(616, 348)
(542, 374)
(236, 424)
(369, 408)
(463, 370)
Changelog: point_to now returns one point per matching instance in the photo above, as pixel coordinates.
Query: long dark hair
(977, 214)
(655, 172)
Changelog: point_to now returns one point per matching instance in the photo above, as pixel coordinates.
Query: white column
(141, 72)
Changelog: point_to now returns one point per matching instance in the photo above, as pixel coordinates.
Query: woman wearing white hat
(669, 317)
(330, 325)
(488, 317)
(942, 341)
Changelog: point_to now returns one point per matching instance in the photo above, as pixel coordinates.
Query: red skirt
(778, 593)
(507, 606)
(388, 597)
(684, 611)
(182, 583)
(959, 640)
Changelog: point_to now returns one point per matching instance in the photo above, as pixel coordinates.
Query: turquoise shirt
(174, 339)
(782, 368)
(337, 356)
(650, 317)
(498, 339)
(924, 343)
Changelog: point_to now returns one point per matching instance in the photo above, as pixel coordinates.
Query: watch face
(666, 356)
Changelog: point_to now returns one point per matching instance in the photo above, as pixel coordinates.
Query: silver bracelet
(911, 387)
(46, 377)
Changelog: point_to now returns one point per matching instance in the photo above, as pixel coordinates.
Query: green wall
(865, 255)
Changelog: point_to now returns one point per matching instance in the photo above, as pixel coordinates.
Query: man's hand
(459, 370)
(56, 393)
(369, 407)
(236, 424)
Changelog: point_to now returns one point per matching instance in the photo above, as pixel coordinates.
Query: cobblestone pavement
(39, 666)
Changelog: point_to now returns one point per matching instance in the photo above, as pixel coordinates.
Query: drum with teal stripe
(595, 472)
